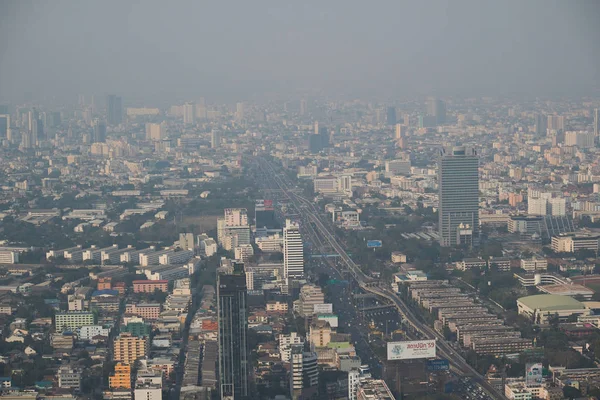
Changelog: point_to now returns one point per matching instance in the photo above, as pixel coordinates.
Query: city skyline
(286, 201)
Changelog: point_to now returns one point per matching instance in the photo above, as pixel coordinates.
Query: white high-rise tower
(293, 251)
(189, 113)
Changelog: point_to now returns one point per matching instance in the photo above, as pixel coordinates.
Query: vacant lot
(200, 224)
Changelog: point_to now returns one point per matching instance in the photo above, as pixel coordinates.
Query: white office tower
(233, 229)
(285, 345)
(345, 184)
(557, 206)
(581, 139)
(304, 371)
(293, 251)
(353, 382)
(155, 132)
(187, 241)
(537, 205)
(189, 113)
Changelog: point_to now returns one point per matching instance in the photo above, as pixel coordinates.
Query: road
(310, 212)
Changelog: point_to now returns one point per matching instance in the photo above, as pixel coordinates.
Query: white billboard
(410, 350)
(326, 308)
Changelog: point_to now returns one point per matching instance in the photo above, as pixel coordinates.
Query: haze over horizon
(168, 51)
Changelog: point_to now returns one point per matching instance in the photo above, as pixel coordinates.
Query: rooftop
(549, 302)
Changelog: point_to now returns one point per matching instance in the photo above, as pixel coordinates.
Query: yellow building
(121, 379)
(128, 348)
(320, 333)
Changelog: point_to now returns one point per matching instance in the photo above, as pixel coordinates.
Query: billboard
(533, 373)
(374, 243)
(410, 350)
(323, 308)
(263, 204)
(438, 365)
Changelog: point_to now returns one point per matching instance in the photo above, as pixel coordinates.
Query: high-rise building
(304, 371)
(187, 241)
(319, 334)
(400, 136)
(189, 113)
(353, 383)
(233, 327)
(540, 124)
(436, 108)
(56, 119)
(293, 251)
(458, 182)
(391, 116)
(239, 111)
(319, 140)
(236, 216)
(596, 122)
(310, 295)
(33, 127)
(215, 139)
(201, 112)
(114, 110)
(303, 107)
(26, 140)
(128, 348)
(581, 139)
(557, 206)
(400, 131)
(285, 344)
(4, 125)
(537, 205)
(99, 135)
(154, 132)
(121, 378)
(556, 123)
(345, 184)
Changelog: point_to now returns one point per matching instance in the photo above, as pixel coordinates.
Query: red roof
(146, 282)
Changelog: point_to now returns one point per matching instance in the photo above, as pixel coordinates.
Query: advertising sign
(438, 365)
(534, 373)
(410, 350)
(374, 243)
(323, 308)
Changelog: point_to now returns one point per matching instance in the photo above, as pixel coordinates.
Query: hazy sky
(158, 49)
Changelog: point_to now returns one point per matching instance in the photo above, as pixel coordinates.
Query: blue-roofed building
(43, 385)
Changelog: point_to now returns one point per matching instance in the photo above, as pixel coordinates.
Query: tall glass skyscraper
(458, 181)
(233, 327)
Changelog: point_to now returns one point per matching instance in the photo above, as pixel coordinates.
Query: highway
(309, 211)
